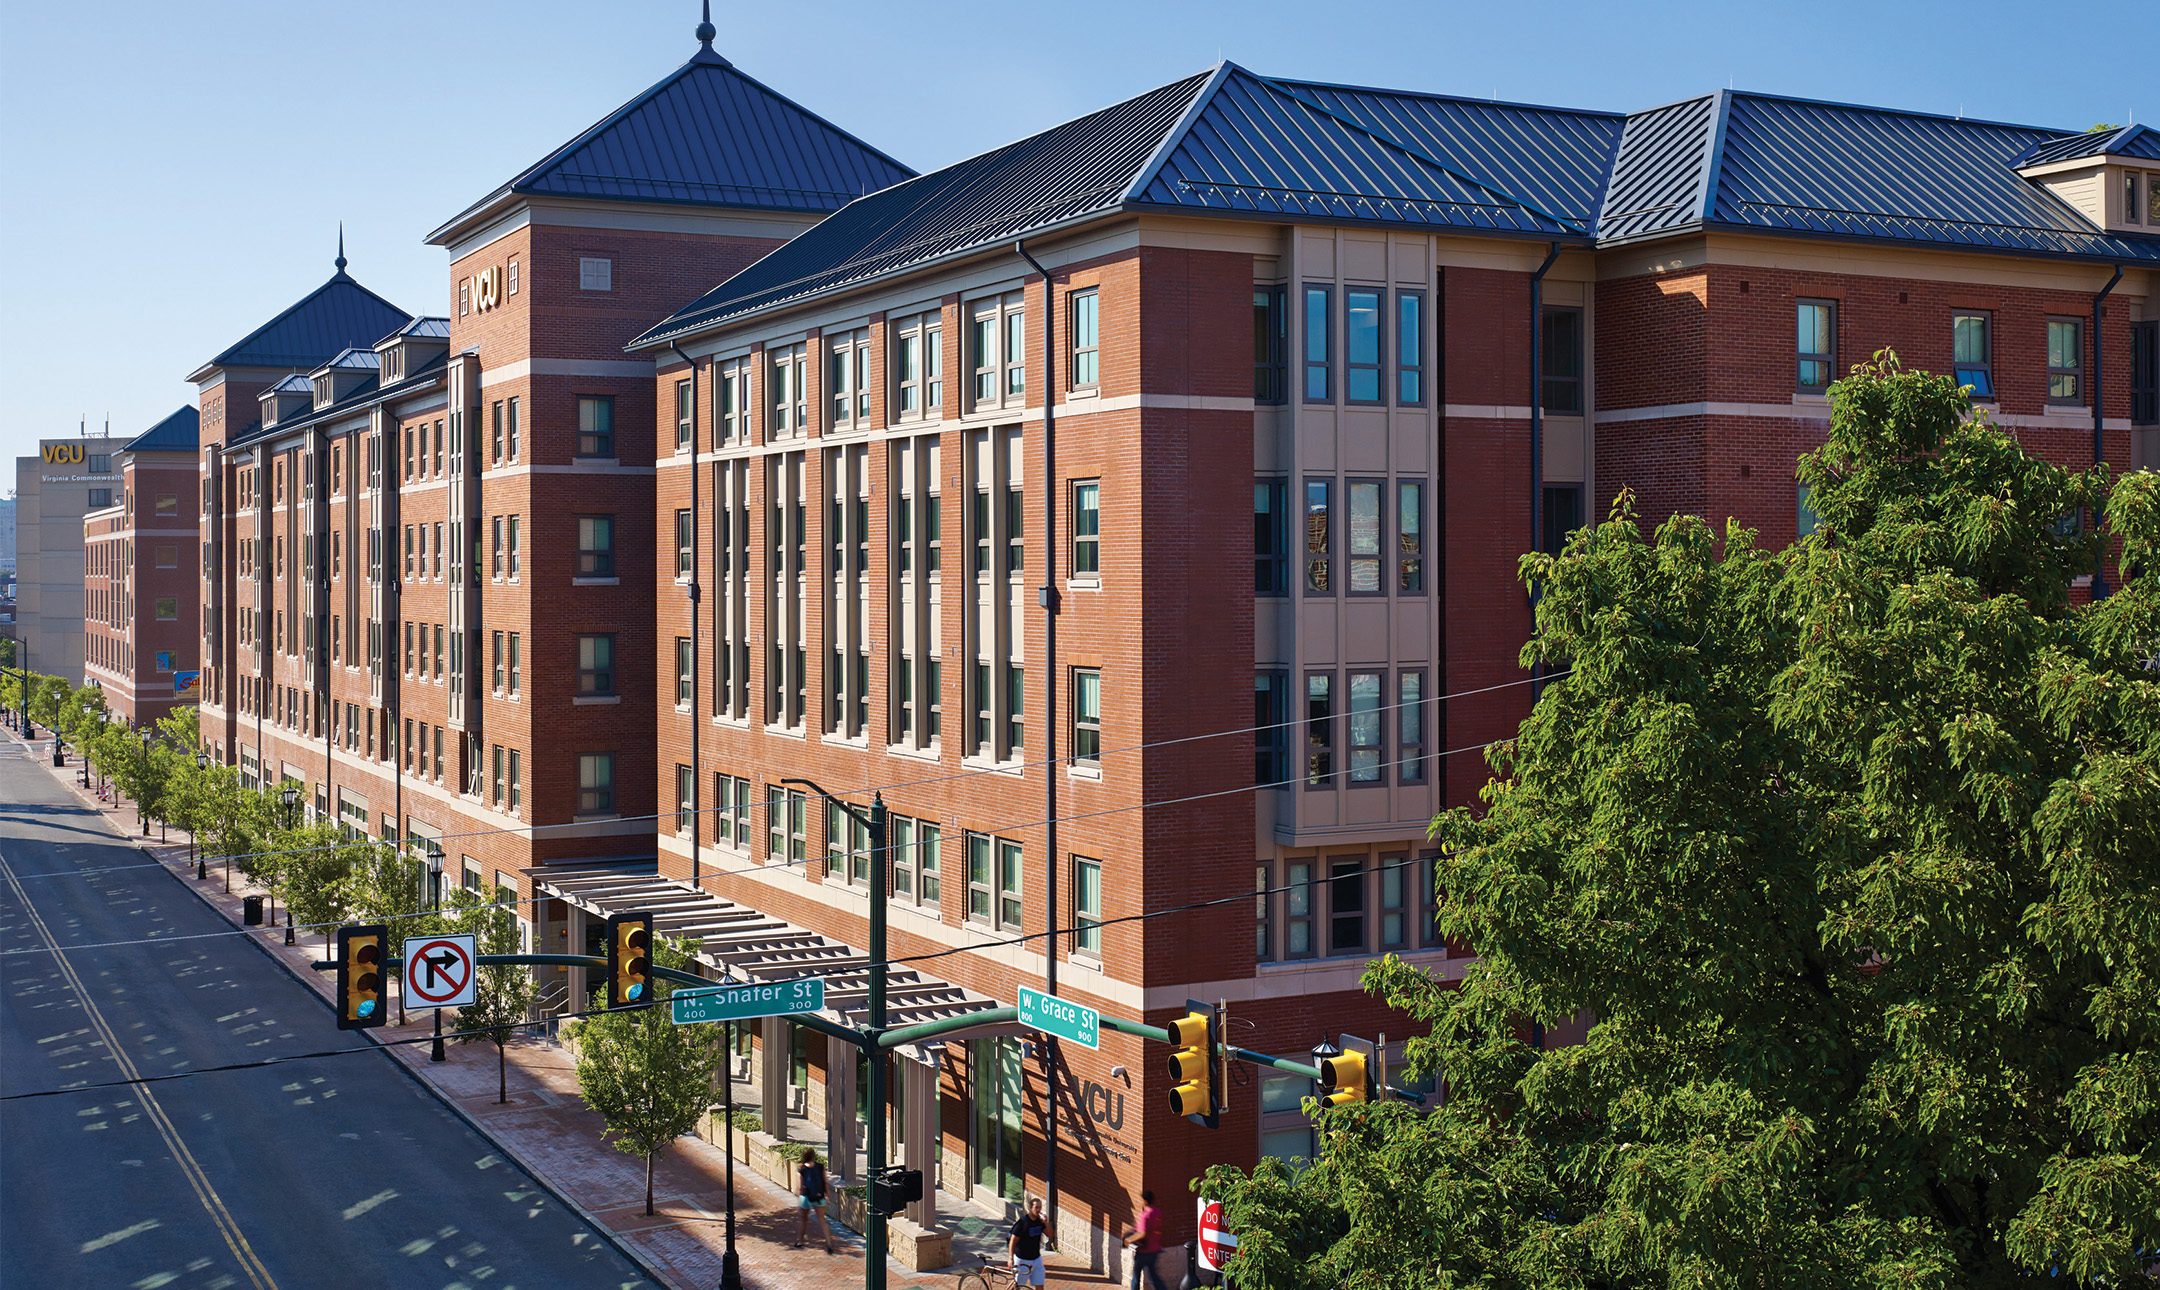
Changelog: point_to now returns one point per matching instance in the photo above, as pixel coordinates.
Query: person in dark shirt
(1026, 1245)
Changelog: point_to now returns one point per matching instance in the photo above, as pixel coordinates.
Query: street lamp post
(290, 796)
(202, 871)
(149, 737)
(874, 1239)
(730, 1263)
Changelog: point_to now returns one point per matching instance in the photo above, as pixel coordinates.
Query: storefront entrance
(997, 1087)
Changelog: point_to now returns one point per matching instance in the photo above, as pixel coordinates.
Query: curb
(636, 1257)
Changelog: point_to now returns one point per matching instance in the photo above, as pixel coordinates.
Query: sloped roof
(336, 315)
(1783, 165)
(2128, 141)
(180, 432)
(355, 357)
(428, 327)
(707, 135)
(365, 392)
(1232, 143)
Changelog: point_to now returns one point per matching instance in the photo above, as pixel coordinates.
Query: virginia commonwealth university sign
(75, 454)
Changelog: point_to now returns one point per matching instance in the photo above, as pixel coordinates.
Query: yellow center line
(228, 1227)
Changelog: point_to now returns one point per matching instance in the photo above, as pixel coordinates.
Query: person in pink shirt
(1145, 1238)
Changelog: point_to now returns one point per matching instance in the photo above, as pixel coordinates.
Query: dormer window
(322, 391)
(2131, 204)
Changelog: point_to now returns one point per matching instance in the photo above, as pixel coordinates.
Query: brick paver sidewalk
(547, 1128)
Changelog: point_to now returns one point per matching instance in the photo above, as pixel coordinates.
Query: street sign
(1216, 1242)
(1055, 1016)
(439, 971)
(737, 1002)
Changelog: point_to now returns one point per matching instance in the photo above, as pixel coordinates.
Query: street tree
(390, 886)
(1847, 851)
(503, 992)
(321, 875)
(648, 1078)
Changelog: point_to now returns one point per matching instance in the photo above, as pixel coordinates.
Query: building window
(1394, 922)
(1015, 530)
(732, 398)
(1271, 537)
(790, 391)
(685, 788)
(495, 432)
(1346, 906)
(1271, 729)
(100, 498)
(168, 608)
(596, 426)
(513, 277)
(1972, 353)
(595, 273)
(978, 848)
(1561, 515)
(1365, 726)
(495, 661)
(1816, 343)
(1366, 554)
(1087, 907)
(168, 504)
(684, 662)
(1410, 537)
(164, 661)
(1087, 528)
(2066, 360)
(1361, 345)
(847, 379)
(928, 837)
(1318, 544)
(596, 783)
(596, 664)
(1087, 717)
(168, 557)
(516, 548)
(513, 432)
(997, 350)
(1804, 517)
(2144, 373)
(1263, 920)
(684, 532)
(1297, 910)
(685, 416)
(1319, 334)
(1016, 709)
(1410, 727)
(1560, 361)
(918, 357)
(596, 546)
(1008, 880)
(1271, 345)
(1320, 730)
(1086, 348)
(1410, 348)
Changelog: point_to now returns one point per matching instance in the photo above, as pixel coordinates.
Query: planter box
(920, 1248)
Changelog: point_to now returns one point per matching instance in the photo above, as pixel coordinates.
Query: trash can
(59, 756)
(251, 910)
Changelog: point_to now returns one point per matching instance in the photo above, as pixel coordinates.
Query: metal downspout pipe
(1537, 429)
(1048, 599)
(696, 518)
(2099, 398)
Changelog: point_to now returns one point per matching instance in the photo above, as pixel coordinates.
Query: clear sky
(173, 175)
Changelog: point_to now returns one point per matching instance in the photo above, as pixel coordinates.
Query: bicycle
(980, 1277)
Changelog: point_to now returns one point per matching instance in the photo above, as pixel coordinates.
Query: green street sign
(737, 1002)
(1055, 1016)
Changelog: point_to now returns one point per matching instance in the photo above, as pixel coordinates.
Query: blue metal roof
(2126, 141)
(708, 135)
(180, 432)
(1230, 143)
(335, 316)
(426, 327)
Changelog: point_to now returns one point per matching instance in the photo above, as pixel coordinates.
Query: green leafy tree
(1848, 849)
(649, 1078)
(321, 872)
(390, 886)
(503, 992)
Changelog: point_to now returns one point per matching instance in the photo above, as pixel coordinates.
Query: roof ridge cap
(1714, 153)
(1160, 156)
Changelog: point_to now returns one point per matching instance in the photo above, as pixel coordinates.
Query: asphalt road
(336, 1170)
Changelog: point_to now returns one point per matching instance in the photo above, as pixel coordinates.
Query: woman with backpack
(810, 1199)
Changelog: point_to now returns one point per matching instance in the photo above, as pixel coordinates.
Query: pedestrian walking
(1145, 1239)
(810, 1199)
(1026, 1245)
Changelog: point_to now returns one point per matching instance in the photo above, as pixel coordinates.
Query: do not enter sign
(439, 971)
(1216, 1242)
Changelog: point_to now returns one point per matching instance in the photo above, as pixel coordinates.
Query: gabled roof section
(428, 327)
(1302, 150)
(2128, 141)
(354, 358)
(1661, 169)
(706, 135)
(1072, 171)
(180, 432)
(335, 316)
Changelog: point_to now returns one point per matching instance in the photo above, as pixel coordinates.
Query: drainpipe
(2099, 397)
(1047, 598)
(696, 765)
(1537, 428)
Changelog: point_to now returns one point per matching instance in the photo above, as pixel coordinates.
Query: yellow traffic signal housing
(1196, 1037)
(1347, 1078)
(360, 975)
(629, 941)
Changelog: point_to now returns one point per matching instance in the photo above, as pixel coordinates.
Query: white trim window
(918, 367)
(997, 351)
(848, 379)
(790, 402)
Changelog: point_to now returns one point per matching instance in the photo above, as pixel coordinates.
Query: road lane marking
(354, 1211)
(114, 1238)
(220, 1216)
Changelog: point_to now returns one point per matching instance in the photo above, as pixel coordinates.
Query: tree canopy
(649, 1078)
(1849, 850)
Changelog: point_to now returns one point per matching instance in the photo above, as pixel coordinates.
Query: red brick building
(142, 578)
(1428, 333)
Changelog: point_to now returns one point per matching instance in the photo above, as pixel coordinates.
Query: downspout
(1537, 429)
(1047, 598)
(696, 655)
(2099, 398)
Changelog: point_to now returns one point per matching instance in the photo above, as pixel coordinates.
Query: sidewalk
(547, 1128)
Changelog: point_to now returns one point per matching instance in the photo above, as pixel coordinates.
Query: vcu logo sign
(63, 454)
(488, 288)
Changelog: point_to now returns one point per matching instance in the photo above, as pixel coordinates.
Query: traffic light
(629, 960)
(1347, 1078)
(360, 975)
(1196, 1035)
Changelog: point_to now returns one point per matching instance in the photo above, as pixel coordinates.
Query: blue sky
(173, 175)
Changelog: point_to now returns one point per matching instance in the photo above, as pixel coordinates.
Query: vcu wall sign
(63, 454)
(488, 288)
